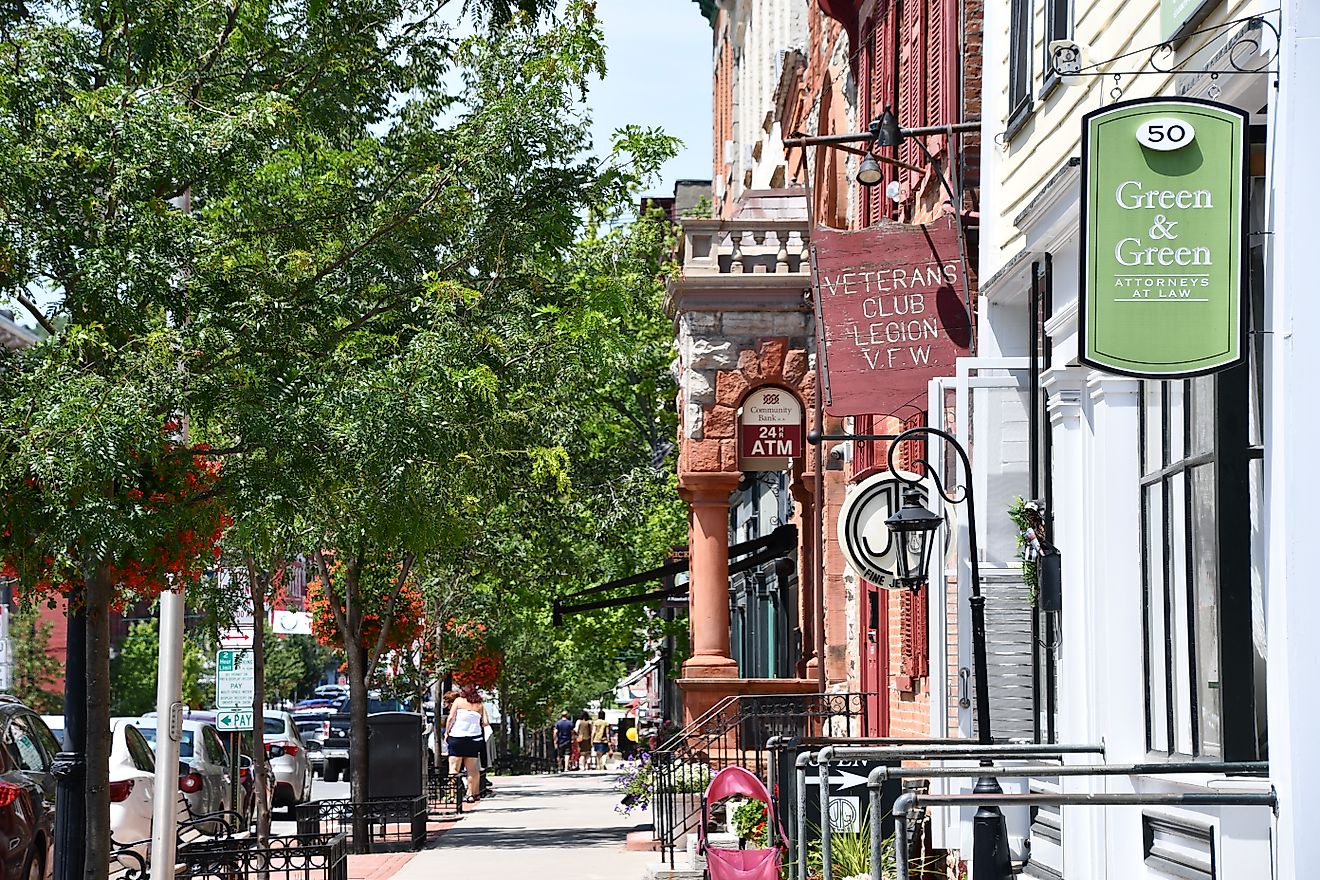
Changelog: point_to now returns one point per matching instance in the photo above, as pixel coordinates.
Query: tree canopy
(329, 278)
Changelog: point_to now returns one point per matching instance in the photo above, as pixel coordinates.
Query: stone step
(680, 871)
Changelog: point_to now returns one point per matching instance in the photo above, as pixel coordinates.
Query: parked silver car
(206, 785)
(288, 759)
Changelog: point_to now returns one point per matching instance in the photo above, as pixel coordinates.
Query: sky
(659, 74)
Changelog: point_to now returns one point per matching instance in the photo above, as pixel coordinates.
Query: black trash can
(396, 755)
(627, 747)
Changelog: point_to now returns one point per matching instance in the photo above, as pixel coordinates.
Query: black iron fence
(444, 794)
(297, 857)
(734, 733)
(379, 825)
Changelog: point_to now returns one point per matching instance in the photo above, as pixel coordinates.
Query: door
(986, 406)
(874, 650)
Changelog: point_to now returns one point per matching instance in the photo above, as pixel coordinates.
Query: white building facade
(1181, 508)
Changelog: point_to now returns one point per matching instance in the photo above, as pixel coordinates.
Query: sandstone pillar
(708, 496)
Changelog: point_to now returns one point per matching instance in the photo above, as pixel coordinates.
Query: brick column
(708, 496)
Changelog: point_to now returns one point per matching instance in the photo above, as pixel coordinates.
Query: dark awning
(746, 555)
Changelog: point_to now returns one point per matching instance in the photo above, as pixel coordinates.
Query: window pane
(1258, 607)
(1152, 426)
(1201, 403)
(1153, 566)
(1174, 412)
(1205, 564)
(1178, 615)
(1019, 87)
(23, 747)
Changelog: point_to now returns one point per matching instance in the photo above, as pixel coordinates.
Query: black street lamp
(915, 527)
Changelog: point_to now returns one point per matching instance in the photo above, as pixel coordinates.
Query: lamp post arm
(981, 681)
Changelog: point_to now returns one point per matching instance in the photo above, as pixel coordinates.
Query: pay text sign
(892, 315)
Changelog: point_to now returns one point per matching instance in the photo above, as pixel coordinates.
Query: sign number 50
(1165, 133)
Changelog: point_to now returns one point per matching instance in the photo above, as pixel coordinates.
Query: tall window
(1058, 26)
(1202, 654)
(1201, 497)
(1019, 62)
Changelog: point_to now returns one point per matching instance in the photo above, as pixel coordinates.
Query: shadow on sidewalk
(535, 838)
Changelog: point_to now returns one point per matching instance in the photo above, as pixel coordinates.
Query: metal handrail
(909, 800)
(876, 779)
(717, 739)
(912, 751)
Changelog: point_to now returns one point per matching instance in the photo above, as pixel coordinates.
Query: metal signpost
(235, 689)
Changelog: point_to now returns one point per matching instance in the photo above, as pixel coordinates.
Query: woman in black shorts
(466, 734)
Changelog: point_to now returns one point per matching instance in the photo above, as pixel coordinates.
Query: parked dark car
(27, 792)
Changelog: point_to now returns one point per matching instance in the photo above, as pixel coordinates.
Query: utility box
(396, 755)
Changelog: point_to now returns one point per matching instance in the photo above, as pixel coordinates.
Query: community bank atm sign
(1163, 211)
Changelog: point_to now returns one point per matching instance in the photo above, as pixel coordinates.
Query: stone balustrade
(733, 247)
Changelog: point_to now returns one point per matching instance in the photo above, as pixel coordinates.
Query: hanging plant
(1026, 515)
(172, 497)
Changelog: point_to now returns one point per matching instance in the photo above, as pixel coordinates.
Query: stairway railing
(734, 733)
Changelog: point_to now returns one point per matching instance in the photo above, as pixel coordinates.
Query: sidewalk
(538, 826)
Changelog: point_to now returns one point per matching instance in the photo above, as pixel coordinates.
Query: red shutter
(936, 67)
(914, 661)
(909, 75)
(881, 93)
(866, 98)
(912, 451)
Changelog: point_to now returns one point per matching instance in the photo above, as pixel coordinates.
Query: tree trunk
(257, 580)
(99, 596)
(357, 703)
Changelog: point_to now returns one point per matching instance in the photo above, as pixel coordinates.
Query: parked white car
(288, 759)
(132, 786)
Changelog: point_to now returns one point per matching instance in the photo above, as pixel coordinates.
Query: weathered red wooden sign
(891, 315)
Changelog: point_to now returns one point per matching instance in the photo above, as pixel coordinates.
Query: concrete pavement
(538, 826)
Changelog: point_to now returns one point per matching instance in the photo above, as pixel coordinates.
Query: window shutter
(882, 93)
(941, 63)
(911, 77)
(866, 99)
(1008, 651)
(913, 450)
(914, 662)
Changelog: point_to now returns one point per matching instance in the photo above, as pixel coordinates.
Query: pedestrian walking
(600, 740)
(564, 741)
(465, 732)
(582, 742)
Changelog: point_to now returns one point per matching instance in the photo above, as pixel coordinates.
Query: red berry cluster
(176, 489)
(407, 623)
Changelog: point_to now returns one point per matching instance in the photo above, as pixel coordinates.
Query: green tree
(135, 671)
(329, 246)
(36, 674)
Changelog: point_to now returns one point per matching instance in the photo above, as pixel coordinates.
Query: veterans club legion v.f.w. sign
(891, 314)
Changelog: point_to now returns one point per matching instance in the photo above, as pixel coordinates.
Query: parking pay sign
(235, 684)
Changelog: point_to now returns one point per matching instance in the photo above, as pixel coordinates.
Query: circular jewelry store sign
(1163, 232)
(769, 430)
(867, 543)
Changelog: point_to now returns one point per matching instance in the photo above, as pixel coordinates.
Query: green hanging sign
(1163, 237)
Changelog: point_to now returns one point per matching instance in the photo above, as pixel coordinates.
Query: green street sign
(228, 721)
(1163, 237)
